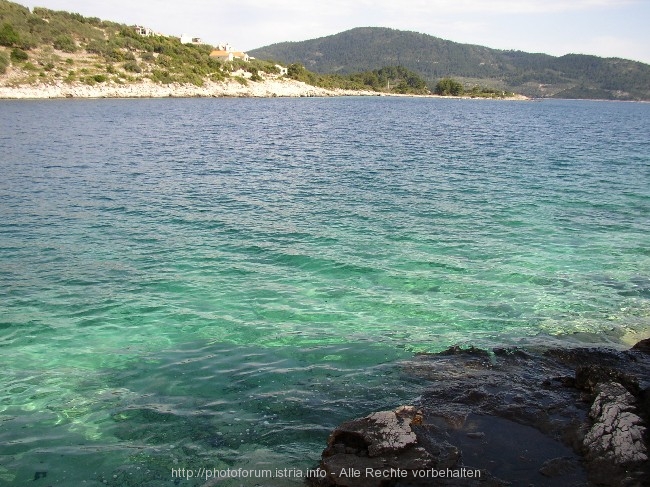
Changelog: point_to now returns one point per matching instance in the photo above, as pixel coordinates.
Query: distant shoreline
(269, 88)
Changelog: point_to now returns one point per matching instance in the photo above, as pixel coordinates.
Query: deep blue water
(219, 282)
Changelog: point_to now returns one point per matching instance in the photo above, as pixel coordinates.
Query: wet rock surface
(560, 417)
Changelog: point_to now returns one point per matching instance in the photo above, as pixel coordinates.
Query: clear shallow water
(212, 283)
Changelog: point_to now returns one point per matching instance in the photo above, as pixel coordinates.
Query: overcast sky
(602, 27)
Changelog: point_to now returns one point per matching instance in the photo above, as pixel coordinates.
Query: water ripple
(231, 278)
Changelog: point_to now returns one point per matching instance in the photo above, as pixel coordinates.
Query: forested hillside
(367, 48)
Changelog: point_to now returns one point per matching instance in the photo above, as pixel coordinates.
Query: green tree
(296, 71)
(448, 87)
(391, 78)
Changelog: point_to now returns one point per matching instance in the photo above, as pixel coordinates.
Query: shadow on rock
(505, 417)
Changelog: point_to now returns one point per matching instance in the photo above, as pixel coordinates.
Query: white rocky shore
(270, 87)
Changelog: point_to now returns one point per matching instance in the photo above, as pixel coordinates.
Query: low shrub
(65, 43)
(4, 63)
(161, 76)
(18, 55)
(132, 67)
(8, 35)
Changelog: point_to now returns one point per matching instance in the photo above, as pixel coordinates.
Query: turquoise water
(212, 283)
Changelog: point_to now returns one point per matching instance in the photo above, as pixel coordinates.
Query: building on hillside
(144, 31)
(240, 55)
(187, 39)
(225, 52)
(222, 55)
(283, 71)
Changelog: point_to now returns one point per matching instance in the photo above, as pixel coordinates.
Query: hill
(538, 75)
(42, 47)
(48, 46)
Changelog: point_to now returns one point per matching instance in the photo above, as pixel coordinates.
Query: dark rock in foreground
(506, 417)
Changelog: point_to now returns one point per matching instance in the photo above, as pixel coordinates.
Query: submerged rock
(505, 417)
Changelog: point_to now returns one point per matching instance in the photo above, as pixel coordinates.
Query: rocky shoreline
(269, 88)
(574, 417)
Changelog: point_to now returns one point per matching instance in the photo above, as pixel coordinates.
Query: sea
(210, 286)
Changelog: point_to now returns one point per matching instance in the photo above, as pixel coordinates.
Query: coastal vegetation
(43, 45)
(401, 79)
(448, 86)
(4, 62)
(452, 87)
(537, 75)
(52, 46)
(46, 45)
(389, 79)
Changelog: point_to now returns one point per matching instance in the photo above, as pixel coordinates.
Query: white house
(240, 55)
(225, 52)
(188, 39)
(222, 55)
(143, 31)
